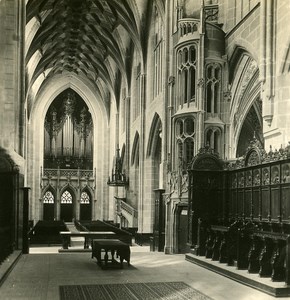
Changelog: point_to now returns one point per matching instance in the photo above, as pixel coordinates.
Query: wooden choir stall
(239, 213)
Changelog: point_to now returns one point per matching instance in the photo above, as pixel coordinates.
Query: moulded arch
(68, 187)
(240, 47)
(52, 89)
(49, 188)
(245, 90)
(89, 191)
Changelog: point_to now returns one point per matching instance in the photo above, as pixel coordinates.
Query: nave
(38, 275)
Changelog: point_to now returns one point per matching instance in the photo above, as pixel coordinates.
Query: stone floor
(39, 274)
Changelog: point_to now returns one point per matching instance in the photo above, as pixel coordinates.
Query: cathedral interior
(167, 119)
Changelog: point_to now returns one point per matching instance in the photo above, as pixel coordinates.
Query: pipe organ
(68, 138)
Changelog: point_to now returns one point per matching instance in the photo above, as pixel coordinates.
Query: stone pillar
(12, 75)
(127, 129)
(268, 39)
(142, 210)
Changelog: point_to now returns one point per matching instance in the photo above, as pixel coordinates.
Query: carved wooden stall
(239, 212)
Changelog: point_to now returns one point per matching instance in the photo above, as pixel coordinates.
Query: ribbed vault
(92, 39)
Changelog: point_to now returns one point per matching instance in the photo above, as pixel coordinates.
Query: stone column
(127, 130)
(267, 40)
(142, 210)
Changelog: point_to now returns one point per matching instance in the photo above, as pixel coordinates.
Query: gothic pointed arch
(86, 204)
(67, 203)
(49, 203)
(252, 125)
(245, 106)
(68, 187)
(50, 188)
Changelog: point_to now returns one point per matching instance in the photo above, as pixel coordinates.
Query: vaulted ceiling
(91, 39)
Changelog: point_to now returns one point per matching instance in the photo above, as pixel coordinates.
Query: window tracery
(85, 198)
(185, 138)
(186, 74)
(213, 136)
(66, 198)
(48, 197)
(213, 86)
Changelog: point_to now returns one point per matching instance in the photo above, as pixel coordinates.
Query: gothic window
(186, 75)
(157, 78)
(213, 138)
(48, 197)
(184, 135)
(66, 198)
(213, 85)
(85, 198)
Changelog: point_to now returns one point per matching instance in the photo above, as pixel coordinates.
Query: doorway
(48, 206)
(182, 228)
(85, 207)
(66, 206)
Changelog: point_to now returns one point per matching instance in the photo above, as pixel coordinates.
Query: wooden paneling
(275, 203)
(233, 204)
(256, 203)
(285, 203)
(265, 202)
(248, 203)
(240, 203)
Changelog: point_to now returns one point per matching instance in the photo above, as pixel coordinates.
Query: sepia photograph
(144, 149)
